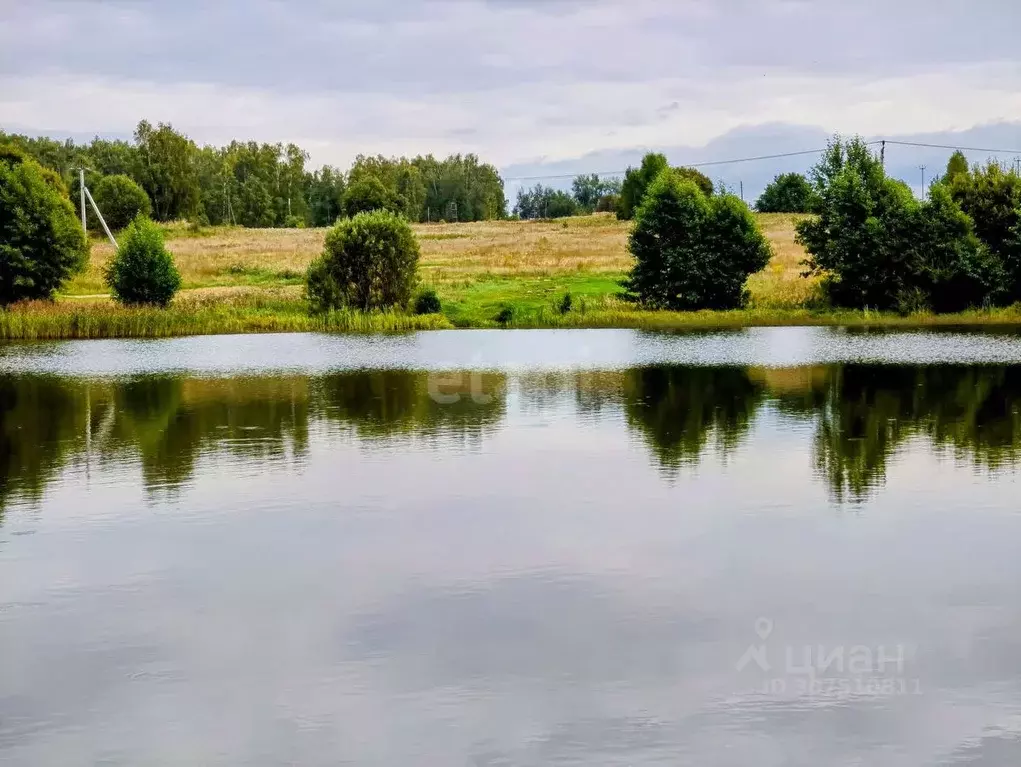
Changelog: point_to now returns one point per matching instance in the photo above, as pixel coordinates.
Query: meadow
(240, 280)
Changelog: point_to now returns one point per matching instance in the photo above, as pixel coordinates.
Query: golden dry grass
(453, 255)
(780, 285)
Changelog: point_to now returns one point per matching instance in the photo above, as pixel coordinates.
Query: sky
(530, 85)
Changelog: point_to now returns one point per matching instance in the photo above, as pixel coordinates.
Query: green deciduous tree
(991, 196)
(693, 251)
(325, 196)
(167, 171)
(637, 181)
(544, 202)
(956, 165)
(788, 193)
(41, 239)
(368, 194)
(589, 189)
(878, 246)
(856, 241)
(369, 261)
(120, 200)
(260, 185)
(143, 270)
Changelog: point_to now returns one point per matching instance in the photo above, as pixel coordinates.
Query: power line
(706, 164)
(948, 146)
(757, 158)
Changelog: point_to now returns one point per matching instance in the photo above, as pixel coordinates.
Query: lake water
(763, 547)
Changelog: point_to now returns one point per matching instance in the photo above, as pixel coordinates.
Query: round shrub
(693, 251)
(788, 193)
(427, 302)
(367, 195)
(41, 239)
(143, 270)
(120, 200)
(368, 262)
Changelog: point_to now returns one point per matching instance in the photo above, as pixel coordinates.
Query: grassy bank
(255, 312)
(249, 281)
(241, 312)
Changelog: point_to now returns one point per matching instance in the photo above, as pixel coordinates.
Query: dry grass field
(494, 262)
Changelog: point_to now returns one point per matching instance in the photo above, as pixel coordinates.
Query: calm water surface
(767, 547)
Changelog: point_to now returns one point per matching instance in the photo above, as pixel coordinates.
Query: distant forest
(268, 185)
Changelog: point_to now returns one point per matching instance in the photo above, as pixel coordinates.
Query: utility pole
(81, 189)
(922, 168)
(101, 219)
(742, 190)
(882, 154)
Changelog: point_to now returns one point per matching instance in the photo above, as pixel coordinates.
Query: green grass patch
(443, 236)
(476, 304)
(247, 275)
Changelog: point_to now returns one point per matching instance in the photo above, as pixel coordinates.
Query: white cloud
(512, 80)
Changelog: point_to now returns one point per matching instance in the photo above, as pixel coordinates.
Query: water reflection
(48, 423)
(449, 407)
(868, 412)
(677, 410)
(858, 416)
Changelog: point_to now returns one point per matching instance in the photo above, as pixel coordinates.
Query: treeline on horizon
(255, 185)
(249, 184)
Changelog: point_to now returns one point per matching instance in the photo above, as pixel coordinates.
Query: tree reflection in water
(859, 416)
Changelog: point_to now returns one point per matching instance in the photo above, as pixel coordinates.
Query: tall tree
(956, 165)
(167, 171)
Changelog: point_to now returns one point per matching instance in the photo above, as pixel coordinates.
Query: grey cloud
(461, 46)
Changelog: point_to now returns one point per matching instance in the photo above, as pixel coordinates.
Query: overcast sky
(518, 81)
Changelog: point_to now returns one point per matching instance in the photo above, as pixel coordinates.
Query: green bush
(120, 200)
(953, 270)
(878, 247)
(637, 181)
(693, 251)
(427, 302)
(991, 196)
(366, 195)
(565, 304)
(143, 270)
(41, 240)
(505, 316)
(368, 262)
(788, 193)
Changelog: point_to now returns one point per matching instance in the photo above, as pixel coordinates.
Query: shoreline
(70, 320)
